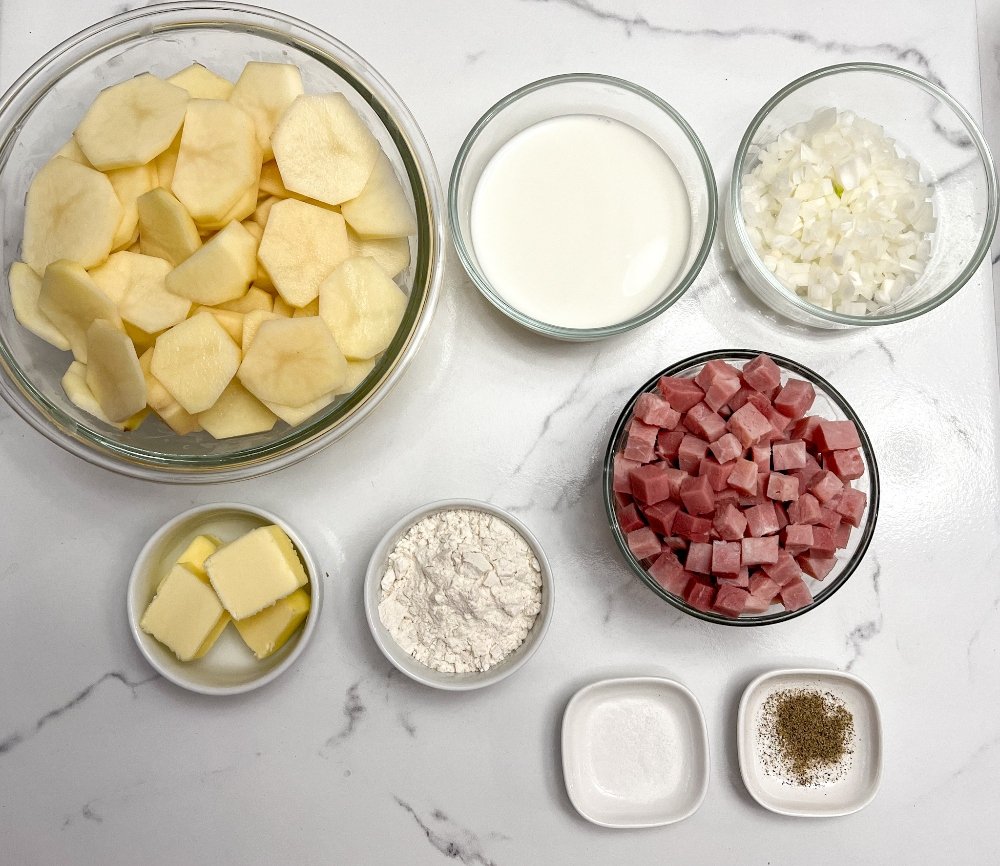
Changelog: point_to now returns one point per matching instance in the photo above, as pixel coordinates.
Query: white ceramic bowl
(402, 660)
(229, 668)
(853, 789)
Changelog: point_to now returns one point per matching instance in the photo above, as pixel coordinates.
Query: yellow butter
(255, 571)
(197, 552)
(268, 631)
(185, 614)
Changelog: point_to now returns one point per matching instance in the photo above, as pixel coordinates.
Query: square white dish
(635, 752)
(853, 788)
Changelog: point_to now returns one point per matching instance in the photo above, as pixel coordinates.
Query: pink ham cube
(852, 506)
(828, 517)
(661, 517)
(705, 422)
(795, 596)
(741, 580)
(699, 558)
(823, 543)
(700, 595)
(730, 601)
(651, 482)
(794, 400)
(842, 535)
(739, 399)
(622, 470)
(656, 410)
(781, 514)
(826, 486)
(641, 441)
(763, 587)
(713, 371)
(788, 455)
(694, 529)
(716, 473)
(784, 570)
(668, 572)
(778, 421)
(643, 543)
(697, 495)
(622, 499)
(726, 448)
(837, 436)
(797, 537)
(668, 442)
(816, 566)
(682, 393)
(629, 519)
(783, 488)
(730, 523)
(691, 452)
(762, 374)
(805, 509)
(721, 391)
(756, 604)
(743, 478)
(846, 465)
(761, 455)
(761, 520)
(727, 496)
(757, 551)
(748, 425)
(806, 428)
(726, 558)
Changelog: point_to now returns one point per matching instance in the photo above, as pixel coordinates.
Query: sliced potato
(194, 361)
(166, 229)
(382, 210)
(323, 148)
(114, 276)
(147, 304)
(251, 322)
(74, 384)
(231, 321)
(263, 210)
(245, 206)
(392, 254)
(71, 300)
(142, 340)
(166, 162)
(264, 91)
(201, 83)
(254, 299)
(271, 182)
(25, 286)
(71, 212)
(219, 271)
(162, 403)
(129, 184)
(301, 246)
(292, 362)
(310, 309)
(71, 150)
(218, 160)
(362, 307)
(357, 372)
(132, 122)
(113, 372)
(284, 309)
(237, 413)
(295, 416)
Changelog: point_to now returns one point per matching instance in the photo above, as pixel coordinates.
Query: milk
(580, 221)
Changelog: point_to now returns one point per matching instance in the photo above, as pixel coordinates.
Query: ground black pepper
(806, 735)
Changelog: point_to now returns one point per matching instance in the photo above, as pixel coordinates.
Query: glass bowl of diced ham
(741, 487)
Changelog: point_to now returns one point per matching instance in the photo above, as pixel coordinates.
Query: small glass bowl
(39, 112)
(587, 94)
(829, 404)
(928, 125)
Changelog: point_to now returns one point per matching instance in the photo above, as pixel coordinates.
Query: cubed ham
(700, 595)
(748, 425)
(795, 596)
(842, 535)
(795, 398)
(805, 428)
(761, 520)
(641, 442)
(756, 604)
(722, 497)
(668, 572)
(783, 488)
(739, 399)
(742, 579)
(781, 515)
(828, 517)
(805, 509)
(668, 442)
(721, 391)
(713, 371)
(763, 587)
(826, 486)
(629, 519)
(705, 422)
(656, 410)
(651, 482)
(762, 374)
(726, 557)
(730, 601)
(643, 543)
(676, 543)
(816, 566)
(697, 495)
(694, 529)
(788, 455)
(623, 499)
(837, 436)
(682, 393)
(784, 570)
(797, 537)
(852, 506)
(716, 473)
(778, 421)
(730, 523)
(622, 470)
(756, 551)
(743, 477)
(846, 465)
(726, 448)
(699, 558)
(661, 517)
(823, 543)
(761, 455)
(691, 452)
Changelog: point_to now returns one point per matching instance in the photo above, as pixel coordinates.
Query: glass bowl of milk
(582, 206)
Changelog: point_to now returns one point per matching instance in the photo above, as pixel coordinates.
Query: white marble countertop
(340, 761)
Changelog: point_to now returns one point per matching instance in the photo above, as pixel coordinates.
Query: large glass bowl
(830, 405)
(39, 112)
(586, 94)
(928, 125)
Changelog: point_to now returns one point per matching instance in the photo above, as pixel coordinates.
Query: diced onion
(838, 214)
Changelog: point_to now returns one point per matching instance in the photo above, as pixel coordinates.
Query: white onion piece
(838, 214)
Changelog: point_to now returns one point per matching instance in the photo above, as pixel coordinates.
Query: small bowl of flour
(458, 594)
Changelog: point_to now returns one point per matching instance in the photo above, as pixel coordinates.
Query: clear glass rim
(871, 465)
(480, 279)
(975, 135)
(299, 442)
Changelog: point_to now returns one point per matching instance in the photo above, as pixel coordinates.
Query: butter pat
(185, 614)
(197, 552)
(268, 631)
(255, 571)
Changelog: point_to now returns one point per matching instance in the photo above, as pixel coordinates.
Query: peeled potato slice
(232, 322)
(71, 150)
(245, 206)
(74, 384)
(264, 91)
(163, 404)
(25, 286)
(219, 271)
(194, 361)
(166, 162)
(71, 300)
(293, 361)
(301, 246)
(132, 122)
(147, 304)
(362, 307)
(392, 254)
(381, 211)
(283, 308)
(166, 229)
(129, 184)
(270, 180)
(294, 416)
(323, 148)
(357, 372)
(201, 83)
(263, 210)
(71, 212)
(114, 276)
(254, 299)
(218, 160)
(113, 372)
(237, 413)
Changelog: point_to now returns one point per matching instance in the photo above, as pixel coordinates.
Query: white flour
(460, 591)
